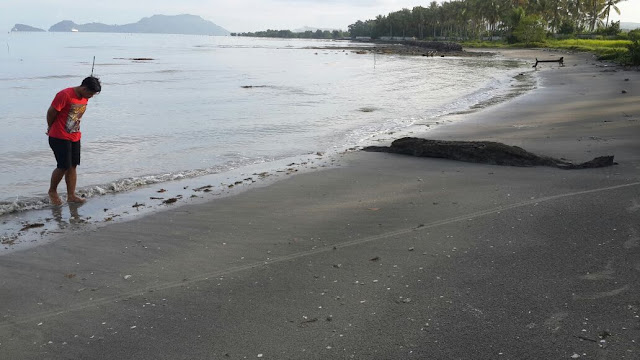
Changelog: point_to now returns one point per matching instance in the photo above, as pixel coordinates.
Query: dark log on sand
(486, 152)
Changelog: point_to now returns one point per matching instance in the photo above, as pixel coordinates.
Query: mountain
(629, 25)
(22, 27)
(157, 24)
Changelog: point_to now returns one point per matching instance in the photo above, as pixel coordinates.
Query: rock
(486, 152)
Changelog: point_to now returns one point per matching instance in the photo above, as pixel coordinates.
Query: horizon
(234, 17)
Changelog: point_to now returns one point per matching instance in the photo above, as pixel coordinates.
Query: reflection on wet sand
(73, 218)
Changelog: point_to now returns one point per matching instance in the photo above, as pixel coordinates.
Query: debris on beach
(205, 188)
(162, 190)
(170, 201)
(31, 226)
(486, 152)
(306, 323)
(156, 198)
(8, 240)
(136, 205)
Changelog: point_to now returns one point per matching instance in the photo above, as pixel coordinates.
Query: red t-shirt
(70, 108)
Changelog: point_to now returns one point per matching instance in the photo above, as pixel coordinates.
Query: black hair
(92, 84)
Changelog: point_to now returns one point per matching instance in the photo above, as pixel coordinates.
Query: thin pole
(94, 64)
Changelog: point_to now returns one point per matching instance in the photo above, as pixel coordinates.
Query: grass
(604, 49)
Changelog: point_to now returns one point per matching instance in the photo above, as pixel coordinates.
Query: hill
(156, 24)
(22, 27)
(313, 29)
(629, 25)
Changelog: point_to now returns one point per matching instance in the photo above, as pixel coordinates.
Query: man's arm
(52, 114)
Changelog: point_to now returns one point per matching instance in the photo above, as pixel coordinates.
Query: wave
(46, 77)
(131, 183)
(495, 92)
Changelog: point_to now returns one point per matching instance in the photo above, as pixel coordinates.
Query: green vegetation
(505, 23)
(581, 25)
(622, 51)
(288, 34)
(479, 19)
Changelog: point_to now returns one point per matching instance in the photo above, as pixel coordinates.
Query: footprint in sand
(606, 274)
(602, 295)
(554, 322)
(634, 239)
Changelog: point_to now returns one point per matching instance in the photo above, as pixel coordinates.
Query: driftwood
(486, 152)
(559, 61)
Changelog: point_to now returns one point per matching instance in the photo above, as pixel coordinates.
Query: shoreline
(385, 256)
(42, 223)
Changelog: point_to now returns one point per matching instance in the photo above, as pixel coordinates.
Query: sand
(384, 257)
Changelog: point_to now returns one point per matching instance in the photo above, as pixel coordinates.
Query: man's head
(89, 87)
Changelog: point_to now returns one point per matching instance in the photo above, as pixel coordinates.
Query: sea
(204, 116)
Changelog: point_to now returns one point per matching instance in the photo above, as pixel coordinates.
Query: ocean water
(203, 105)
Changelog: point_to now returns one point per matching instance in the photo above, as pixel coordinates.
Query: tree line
(288, 34)
(514, 20)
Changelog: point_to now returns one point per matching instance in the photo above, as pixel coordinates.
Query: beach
(380, 256)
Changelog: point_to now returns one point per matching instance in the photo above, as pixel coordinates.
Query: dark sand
(386, 257)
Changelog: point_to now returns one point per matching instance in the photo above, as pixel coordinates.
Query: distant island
(629, 25)
(22, 27)
(156, 24)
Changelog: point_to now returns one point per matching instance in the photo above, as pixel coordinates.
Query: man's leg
(71, 178)
(56, 177)
(62, 151)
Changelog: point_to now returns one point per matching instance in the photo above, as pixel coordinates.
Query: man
(63, 120)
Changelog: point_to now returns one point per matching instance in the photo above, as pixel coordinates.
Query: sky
(233, 15)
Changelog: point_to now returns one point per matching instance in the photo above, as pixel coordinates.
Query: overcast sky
(233, 15)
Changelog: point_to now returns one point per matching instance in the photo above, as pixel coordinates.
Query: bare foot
(75, 199)
(54, 198)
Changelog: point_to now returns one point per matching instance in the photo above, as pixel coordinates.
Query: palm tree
(594, 13)
(607, 8)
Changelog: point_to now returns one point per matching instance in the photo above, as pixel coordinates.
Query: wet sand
(384, 257)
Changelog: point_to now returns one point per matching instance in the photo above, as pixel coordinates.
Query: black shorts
(67, 152)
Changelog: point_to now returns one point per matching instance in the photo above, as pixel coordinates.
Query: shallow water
(208, 105)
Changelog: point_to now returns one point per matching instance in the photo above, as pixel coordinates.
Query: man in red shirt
(63, 120)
